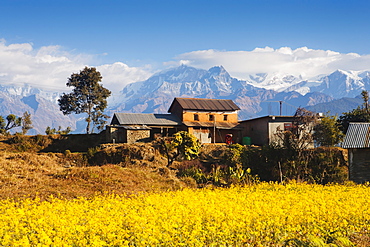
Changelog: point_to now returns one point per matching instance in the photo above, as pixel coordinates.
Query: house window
(196, 117)
(225, 117)
(211, 117)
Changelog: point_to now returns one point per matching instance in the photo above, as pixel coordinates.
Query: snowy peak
(341, 74)
(338, 84)
(364, 75)
(217, 82)
(27, 90)
(258, 78)
(155, 94)
(185, 81)
(218, 79)
(218, 70)
(342, 83)
(276, 81)
(218, 74)
(42, 105)
(182, 73)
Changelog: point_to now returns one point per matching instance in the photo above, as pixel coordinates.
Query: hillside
(337, 107)
(43, 170)
(74, 166)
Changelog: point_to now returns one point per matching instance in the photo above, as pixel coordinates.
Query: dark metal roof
(143, 127)
(358, 136)
(218, 125)
(147, 119)
(206, 104)
(273, 118)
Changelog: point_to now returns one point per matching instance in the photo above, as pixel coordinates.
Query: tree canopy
(10, 122)
(360, 114)
(188, 146)
(87, 96)
(300, 136)
(26, 122)
(327, 131)
(183, 146)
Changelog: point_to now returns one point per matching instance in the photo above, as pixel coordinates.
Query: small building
(357, 141)
(140, 127)
(210, 120)
(129, 134)
(262, 131)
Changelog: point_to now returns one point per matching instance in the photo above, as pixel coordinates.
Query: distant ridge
(156, 93)
(258, 96)
(337, 107)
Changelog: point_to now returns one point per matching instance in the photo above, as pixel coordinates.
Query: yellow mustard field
(265, 214)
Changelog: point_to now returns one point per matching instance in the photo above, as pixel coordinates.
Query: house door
(203, 135)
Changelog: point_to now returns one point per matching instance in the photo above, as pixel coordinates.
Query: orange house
(210, 120)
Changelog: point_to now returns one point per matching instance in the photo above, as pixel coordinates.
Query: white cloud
(49, 67)
(117, 75)
(302, 61)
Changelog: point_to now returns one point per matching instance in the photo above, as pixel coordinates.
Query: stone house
(140, 127)
(210, 120)
(357, 141)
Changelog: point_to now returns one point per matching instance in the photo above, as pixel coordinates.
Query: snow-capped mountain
(277, 81)
(343, 83)
(42, 105)
(338, 84)
(157, 93)
(187, 81)
(260, 95)
(27, 90)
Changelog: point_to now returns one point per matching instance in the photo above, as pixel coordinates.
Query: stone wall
(137, 135)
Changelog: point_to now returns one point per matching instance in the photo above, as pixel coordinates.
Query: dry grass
(31, 174)
(64, 174)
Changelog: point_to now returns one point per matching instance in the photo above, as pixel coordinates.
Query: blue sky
(147, 35)
(159, 30)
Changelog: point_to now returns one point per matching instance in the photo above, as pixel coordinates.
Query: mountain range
(261, 94)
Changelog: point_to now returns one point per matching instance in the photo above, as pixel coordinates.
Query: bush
(192, 169)
(319, 165)
(22, 143)
(216, 174)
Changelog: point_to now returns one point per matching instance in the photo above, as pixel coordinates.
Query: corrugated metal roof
(218, 125)
(143, 127)
(206, 104)
(147, 119)
(358, 136)
(272, 118)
